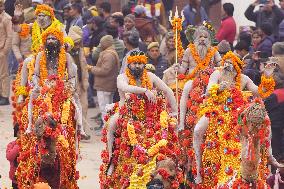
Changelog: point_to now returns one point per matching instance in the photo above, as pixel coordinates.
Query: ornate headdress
(137, 56)
(236, 61)
(45, 9)
(55, 32)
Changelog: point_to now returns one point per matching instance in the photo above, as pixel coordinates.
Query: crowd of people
(171, 99)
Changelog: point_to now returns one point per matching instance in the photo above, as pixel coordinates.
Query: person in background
(21, 46)
(194, 13)
(256, 37)
(208, 3)
(228, 28)
(12, 153)
(77, 54)
(156, 9)
(269, 13)
(90, 10)
(117, 43)
(274, 105)
(265, 46)
(117, 20)
(129, 22)
(67, 17)
(278, 52)
(104, 11)
(144, 25)
(131, 42)
(167, 48)
(277, 180)
(76, 15)
(59, 5)
(106, 72)
(97, 31)
(155, 58)
(5, 46)
(242, 49)
(224, 47)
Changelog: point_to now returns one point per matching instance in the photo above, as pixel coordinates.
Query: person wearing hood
(105, 73)
(144, 25)
(77, 53)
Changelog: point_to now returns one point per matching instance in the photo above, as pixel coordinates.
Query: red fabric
(280, 95)
(227, 30)
(12, 153)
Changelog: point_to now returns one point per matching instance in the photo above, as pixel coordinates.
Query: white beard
(202, 50)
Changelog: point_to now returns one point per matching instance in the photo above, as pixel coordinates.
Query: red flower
(181, 76)
(164, 173)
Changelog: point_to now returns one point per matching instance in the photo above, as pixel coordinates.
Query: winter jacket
(161, 64)
(190, 14)
(106, 70)
(21, 46)
(227, 30)
(259, 17)
(6, 33)
(265, 45)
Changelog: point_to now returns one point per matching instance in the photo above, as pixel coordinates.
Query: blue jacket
(266, 45)
(161, 65)
(190, 13)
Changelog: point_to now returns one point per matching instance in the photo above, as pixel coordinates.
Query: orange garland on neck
(201, 64)
(25, 31)
(145, 81)
(61, 67)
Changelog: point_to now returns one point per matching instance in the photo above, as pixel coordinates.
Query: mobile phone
(263, 1)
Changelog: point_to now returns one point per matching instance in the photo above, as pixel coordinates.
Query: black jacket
(161, 65)
(274, 105)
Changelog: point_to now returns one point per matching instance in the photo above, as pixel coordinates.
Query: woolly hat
(153, 44)
(106, 41)
(75, 33)
(130, 17)
(224, 47)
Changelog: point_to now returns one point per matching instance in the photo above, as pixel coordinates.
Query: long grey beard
(202, 50)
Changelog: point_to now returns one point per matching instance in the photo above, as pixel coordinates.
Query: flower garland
(222, 146)
(25, 31)
(238, 65)
(138, 141)
(266, 86)
(137, 58)
(45, 9)
(65, 112)
(61, 68)
(37, 32)
(31, 68)
(177, 27)
(200, 64)
(21, 90)
(241, 184)
(145, 81)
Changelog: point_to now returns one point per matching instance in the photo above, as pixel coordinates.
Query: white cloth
(104, 98)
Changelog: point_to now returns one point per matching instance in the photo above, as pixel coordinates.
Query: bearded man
(54, 61)
(220, 158)
(136, 80)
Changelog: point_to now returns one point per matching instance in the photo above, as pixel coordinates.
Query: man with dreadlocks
(218, 157)
(135, 132)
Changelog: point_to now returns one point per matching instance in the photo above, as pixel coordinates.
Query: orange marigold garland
(25, 31)
(200, 64)
(137, 58)
(266, 86)
(45, 9)
(145, 80)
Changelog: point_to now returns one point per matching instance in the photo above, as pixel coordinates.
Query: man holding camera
(268, 13)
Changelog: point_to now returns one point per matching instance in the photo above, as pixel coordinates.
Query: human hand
(269, 69)
(223, 85)
(19, 11)
(150, 95)
(89, 67)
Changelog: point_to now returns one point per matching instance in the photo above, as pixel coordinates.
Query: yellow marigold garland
(266, 86)
(164, 119)
(137, 58)
(69, 40)
(21, 90)
(200, 64)
(25, 31)
(61, 67)
(145, 81)
(45, 9)
(155, 149)
(36, 34)
(65, 112)
(131, 134)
